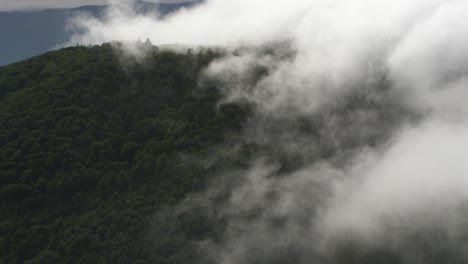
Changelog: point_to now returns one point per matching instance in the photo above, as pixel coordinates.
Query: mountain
(108, 158)
(29, 33)
(92, 150)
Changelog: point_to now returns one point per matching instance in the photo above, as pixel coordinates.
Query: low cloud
(360, 107)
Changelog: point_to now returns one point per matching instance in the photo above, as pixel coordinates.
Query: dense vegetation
(93, 146)
(106, 158)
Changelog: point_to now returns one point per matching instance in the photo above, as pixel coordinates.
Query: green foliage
(90, 151)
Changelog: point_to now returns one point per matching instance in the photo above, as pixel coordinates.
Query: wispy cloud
(368, 99)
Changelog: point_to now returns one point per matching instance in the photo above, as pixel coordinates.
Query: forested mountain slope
(92, 148)
(110, 158)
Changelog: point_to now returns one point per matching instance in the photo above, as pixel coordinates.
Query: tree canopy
(92, 147)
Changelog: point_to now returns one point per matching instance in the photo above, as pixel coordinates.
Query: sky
(9, 5)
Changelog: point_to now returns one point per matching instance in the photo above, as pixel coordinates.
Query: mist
(360, 110)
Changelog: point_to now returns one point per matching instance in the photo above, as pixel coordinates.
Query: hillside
(93, 149)
(108, 158)
(29, 33)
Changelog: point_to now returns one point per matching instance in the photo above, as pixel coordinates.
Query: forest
(92, 148)
(111, 157)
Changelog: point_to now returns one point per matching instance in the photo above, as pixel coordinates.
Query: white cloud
(396, 54)
(422, 176)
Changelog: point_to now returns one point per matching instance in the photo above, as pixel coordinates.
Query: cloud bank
(367, 101)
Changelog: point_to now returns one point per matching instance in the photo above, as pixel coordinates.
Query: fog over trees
(248, 131)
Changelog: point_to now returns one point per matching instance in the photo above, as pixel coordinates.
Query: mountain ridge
(32, 32)
(93, 149)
